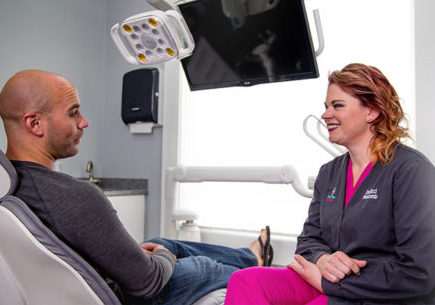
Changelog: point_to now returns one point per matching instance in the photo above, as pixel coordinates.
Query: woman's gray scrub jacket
(389, 221)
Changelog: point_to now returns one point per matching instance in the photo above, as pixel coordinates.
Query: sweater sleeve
(410, 272)
(310, 244)
(90, 225)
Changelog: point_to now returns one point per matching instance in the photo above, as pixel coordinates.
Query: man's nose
(83, 123)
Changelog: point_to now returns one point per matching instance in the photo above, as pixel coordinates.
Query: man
(43, 123)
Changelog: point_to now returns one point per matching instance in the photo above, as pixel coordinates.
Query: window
(262, 125)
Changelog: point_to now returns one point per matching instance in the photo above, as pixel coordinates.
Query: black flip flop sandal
(266, 249)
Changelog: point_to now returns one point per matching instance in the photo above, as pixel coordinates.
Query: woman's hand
(308, 271)
(335, 267)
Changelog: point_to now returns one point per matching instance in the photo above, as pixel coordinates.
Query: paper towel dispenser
(140, 96)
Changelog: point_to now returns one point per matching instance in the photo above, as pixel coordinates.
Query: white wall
(425, 76)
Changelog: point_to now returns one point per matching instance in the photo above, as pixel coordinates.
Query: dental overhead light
(153, 37)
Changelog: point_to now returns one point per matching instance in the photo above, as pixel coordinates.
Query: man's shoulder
(46, 179)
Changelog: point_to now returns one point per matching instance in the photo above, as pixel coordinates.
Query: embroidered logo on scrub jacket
(371, 194)
(331, 195)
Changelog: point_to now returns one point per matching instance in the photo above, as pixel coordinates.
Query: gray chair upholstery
(216, 297)
(8, 176)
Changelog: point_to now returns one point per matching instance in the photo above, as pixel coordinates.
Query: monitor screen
(247, 42)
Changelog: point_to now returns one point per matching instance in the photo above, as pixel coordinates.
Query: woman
(370, 233)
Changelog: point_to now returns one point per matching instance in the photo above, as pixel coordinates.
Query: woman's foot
(258, 249)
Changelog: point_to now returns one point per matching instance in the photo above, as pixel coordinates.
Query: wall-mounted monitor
(247, 42)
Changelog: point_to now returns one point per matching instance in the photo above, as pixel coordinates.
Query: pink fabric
(320, 300)
(350, 189)
(271, 286)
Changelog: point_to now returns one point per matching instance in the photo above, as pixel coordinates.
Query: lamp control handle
(114, 32)
(183, 31)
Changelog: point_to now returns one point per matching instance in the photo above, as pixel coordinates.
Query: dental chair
(36, 268)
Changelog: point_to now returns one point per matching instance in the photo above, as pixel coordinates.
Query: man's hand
(308, 271)
(335, 267)
(151, 248)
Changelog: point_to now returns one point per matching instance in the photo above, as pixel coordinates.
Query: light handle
(185, 43)
(114, 32)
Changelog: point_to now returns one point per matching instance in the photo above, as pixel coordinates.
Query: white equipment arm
(333, 149)
(283, 174)
(162, 5)
(319, 30)
(195, 174)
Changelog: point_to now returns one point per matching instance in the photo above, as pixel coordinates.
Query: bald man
(42, 119)
(43, 123)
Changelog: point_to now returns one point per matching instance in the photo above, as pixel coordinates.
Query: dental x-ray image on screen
(247, 42)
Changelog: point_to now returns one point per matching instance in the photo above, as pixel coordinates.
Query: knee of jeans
(193, 268)
(203, 261)
(200, 264)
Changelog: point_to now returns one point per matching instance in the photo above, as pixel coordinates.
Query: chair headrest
(8, 176)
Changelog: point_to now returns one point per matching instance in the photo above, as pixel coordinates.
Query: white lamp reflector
(153, 37)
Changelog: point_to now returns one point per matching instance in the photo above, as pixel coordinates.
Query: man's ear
(33, 124)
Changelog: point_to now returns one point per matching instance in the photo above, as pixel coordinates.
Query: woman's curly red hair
(372, 88)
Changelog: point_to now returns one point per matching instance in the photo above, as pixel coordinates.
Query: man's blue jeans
(200, 269)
